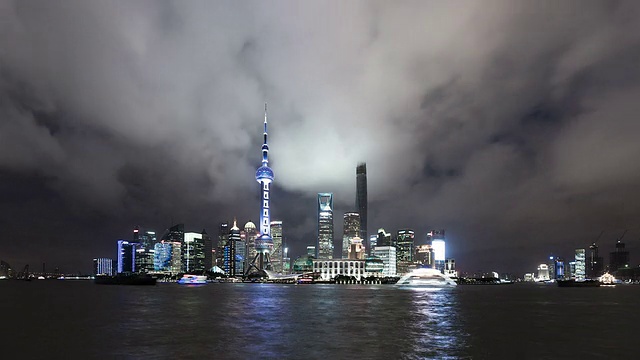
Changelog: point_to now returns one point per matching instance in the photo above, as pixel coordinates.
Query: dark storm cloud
(511, 124)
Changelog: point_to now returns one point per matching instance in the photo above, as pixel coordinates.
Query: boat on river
(578, 283)
(188, 279)
(427, 278)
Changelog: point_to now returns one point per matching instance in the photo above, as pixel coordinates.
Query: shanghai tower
(361, 199)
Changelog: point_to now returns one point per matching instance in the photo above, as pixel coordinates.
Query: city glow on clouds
(519, 115)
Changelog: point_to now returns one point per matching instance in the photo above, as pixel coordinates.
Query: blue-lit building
(162, 256)
(126, 256)
(264, 243)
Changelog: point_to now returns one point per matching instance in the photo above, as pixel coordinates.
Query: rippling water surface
(80, 320)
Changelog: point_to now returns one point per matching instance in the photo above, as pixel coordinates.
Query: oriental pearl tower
(264, 242)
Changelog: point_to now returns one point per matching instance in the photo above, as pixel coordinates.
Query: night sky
(512, 125)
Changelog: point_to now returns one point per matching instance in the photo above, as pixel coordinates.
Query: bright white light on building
(438, 249)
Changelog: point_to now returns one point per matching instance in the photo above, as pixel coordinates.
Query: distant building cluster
(381, 255)
(587, 263)
(254, 250)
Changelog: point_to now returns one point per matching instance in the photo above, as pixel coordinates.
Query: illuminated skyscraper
(324, 242)
(437, 240)
(193, 253)
(580, 259)
(405, 247)
(351, 230)
(162, 256)
(264, 243)
(103, 266)
(277, 254)
(384, 238)
(230, 260)
(126, 256)
(144, 243)
(223, 238)
(595, 264)
(250, 233)
(361, 199)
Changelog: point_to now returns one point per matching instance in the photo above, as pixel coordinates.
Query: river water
(56, 319)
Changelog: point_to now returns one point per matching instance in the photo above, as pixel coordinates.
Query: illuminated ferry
(193, 279)
(426, 277)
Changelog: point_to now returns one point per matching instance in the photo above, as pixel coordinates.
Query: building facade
(277, 253)
(126, 256)
(619, 259)
(350, 230)
(330, 269)
(324, 242)
(361, 199)
(356, 249)
(595, 263)
(388, 256)
(103, 266)
(193, 253)
(580, 264)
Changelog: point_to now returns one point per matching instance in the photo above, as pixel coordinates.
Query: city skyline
(511, 126)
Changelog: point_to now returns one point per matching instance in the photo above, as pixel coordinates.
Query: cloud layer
(511, 124)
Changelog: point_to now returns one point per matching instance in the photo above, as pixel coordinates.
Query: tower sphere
(264, 173)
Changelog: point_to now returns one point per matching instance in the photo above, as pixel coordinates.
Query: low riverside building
(330, 269)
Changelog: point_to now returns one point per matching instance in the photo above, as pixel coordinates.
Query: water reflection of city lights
(434, 327)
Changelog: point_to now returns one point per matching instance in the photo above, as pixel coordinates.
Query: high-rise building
(424, 255)
(277, 254)
(619, 258)
(405, 248)
(162, 256)
(558, 269)
(373, 242)
(543, 272)
(361, 199)
(384, 238)
(405, 244)
(356, 249)
(571, 270)
(580, 259)
(552, 267)
(144, 248)
(126, 256)
(208, 250)
(250, 233)
(388, 256)
(595, 264)
(437, 240)
(176, 257)
(311, 251)
(175, 233)
(230, 260)
(193, 253)
(223, 238)
(324, 242)
(351, 230)
(103, 266)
